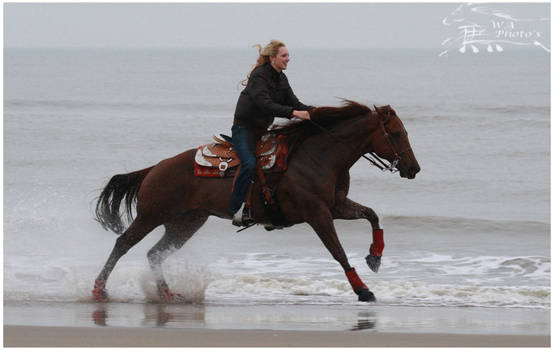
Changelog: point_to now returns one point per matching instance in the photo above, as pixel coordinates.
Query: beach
(467, 243)
(198, 325)
(27, 336)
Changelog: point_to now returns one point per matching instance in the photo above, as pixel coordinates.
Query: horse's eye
(396, 134)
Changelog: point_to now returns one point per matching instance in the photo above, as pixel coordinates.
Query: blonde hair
(270, 50)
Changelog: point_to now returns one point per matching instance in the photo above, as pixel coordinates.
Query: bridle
(397, 155)
(371, 156)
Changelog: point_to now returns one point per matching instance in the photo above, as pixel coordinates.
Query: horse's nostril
(412, 172)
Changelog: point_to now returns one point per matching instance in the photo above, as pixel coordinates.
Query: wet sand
(30, 324)
(27, 336)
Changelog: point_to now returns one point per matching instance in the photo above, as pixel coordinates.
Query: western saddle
(219, 159)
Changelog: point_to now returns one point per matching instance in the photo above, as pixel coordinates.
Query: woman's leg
(244, 143)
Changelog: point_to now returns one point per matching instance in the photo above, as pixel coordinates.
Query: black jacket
(266, 96)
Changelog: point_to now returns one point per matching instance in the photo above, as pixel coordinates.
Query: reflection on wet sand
(366, 320)
(162, 315)
(100, 315)
(359, 317)
(155, 314)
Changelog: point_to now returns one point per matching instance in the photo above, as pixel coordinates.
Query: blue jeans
(245, 145)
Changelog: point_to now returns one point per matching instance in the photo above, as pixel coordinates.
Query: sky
(235, 25)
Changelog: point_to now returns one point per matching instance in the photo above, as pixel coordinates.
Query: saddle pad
(221, 159)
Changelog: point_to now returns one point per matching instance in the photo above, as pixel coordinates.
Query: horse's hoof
(374, 262)
(99, 292)
(167, 297)
(366, 295)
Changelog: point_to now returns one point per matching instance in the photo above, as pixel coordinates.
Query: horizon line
(229, 48)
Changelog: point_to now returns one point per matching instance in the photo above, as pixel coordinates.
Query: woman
(267, 95)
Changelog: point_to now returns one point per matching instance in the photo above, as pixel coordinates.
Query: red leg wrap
(355, 280)
(99, 285)
(99, 291)
(167, 296)
(378, 244)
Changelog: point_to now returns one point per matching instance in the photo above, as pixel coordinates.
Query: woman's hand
(301, 114)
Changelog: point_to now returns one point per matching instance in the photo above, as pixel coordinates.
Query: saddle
(219, 159)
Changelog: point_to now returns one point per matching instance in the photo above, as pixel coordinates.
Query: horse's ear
(376, 108)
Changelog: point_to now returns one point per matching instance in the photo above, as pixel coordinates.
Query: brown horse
(313, 189)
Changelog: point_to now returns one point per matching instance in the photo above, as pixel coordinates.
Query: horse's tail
(120, 186)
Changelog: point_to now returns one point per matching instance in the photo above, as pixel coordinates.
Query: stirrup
(242, 217)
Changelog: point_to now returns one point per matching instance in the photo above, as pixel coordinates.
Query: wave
(468, 223)
(495, 109)
(109, 105)
(419, 114)
(514, 109)
(256, 289)
(422, 294)
(485, 269)
(430, 280)
(60, 283)
(259, 289)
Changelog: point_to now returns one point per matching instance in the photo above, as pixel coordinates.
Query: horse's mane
(325, 117)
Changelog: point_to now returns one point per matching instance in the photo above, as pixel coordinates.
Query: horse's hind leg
(138, 229)
(177, 233)
(350, 210)
(325, 229)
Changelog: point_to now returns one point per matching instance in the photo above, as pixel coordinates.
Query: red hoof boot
(99, 292)
(167, 297)
(376, 251)
(359, 287)
(378, 244)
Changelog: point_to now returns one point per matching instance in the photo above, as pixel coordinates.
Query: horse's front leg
(350, 210)
(325, 229)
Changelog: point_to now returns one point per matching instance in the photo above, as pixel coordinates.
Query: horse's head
(390, 141)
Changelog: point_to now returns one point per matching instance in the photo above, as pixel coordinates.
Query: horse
(313, 189)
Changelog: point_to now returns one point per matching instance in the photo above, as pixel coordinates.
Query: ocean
(471, 230)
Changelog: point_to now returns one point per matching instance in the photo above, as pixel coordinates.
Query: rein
(373, 158)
